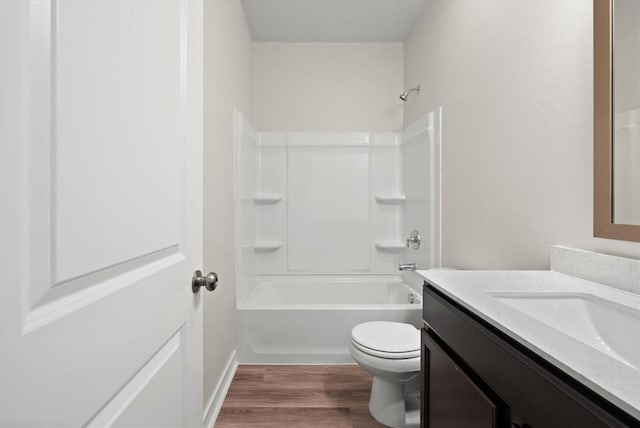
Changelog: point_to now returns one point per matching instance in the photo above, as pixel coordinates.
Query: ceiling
(299, 21)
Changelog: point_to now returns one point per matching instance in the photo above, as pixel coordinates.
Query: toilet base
(389, 406)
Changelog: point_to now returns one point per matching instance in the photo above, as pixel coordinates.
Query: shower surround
(321, 223)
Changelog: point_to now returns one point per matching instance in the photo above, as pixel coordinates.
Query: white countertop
(614, 380)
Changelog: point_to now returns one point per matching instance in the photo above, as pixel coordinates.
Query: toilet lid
(387, 336)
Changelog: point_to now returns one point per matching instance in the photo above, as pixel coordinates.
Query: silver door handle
(210, 282)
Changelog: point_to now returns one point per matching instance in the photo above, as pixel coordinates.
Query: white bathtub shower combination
(309, 319)
(321, 223)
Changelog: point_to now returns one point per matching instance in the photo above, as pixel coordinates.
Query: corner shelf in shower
(267, 198)
(267, 245)
(390, 245)
(390, 198)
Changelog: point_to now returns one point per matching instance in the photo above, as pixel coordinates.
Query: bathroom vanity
(507, 349)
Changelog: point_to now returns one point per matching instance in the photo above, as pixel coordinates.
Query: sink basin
(607, 326)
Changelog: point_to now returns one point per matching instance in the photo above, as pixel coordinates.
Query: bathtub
(308, 320)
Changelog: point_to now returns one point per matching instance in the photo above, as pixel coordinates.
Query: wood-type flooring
(298, 397)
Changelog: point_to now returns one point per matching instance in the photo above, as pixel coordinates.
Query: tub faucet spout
(407, 266)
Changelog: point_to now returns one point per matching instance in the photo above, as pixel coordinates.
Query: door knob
(210, 282)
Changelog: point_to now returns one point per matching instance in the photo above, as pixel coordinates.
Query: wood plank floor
(298, 397)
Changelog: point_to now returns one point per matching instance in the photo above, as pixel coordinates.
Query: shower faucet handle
(414, 240)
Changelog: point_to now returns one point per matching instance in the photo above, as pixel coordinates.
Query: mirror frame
(603, 225)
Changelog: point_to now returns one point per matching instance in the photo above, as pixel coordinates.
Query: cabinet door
(451, 398)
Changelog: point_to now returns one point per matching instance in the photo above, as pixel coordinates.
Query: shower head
(406, 93)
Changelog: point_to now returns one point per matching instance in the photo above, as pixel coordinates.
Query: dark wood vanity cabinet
(475, 376)
(455, 399)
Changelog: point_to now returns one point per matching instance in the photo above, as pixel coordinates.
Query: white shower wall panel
(271, 218)
(421, 183)
(385, 179)
(245, 184)
(328, 211)
(327, 217)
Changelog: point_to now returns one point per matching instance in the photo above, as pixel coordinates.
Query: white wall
(333, 87)
(515, 83)
(227, 52)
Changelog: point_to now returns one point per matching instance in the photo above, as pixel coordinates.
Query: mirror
(617, 119)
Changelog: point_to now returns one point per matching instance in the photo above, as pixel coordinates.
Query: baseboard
(219, 393)
(295, 359)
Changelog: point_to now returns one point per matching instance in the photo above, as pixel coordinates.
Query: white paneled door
(101, 213)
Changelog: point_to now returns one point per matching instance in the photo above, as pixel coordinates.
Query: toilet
(390, 352)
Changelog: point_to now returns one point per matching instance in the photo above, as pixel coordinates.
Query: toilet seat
(385, 355)
(386, 339)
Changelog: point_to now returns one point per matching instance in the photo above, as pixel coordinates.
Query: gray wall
(327, 87)
(515, 83)
(227, 52)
